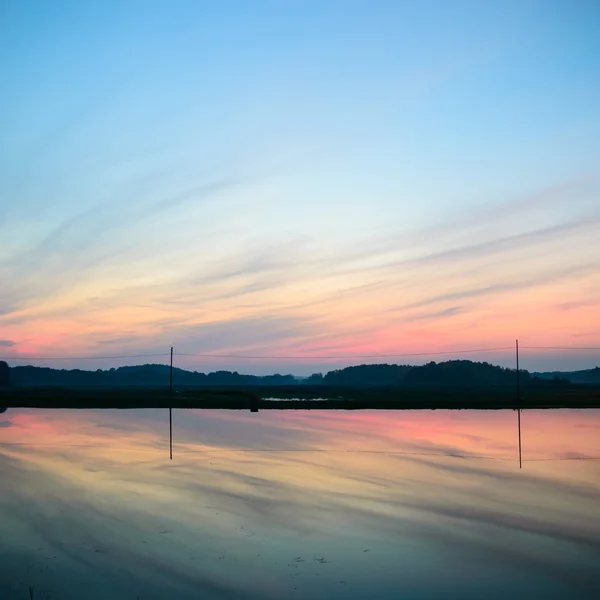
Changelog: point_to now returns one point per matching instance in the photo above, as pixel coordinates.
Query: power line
(298, 357)
(344, 356)
(20, 358)
(560, 348)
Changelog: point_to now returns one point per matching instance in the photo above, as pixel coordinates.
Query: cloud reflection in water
(298, 505)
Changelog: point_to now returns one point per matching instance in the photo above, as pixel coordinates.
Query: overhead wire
(20, 358)
(560, 347)
(344, 356)
(300, 357)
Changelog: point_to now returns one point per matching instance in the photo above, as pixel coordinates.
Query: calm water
(382, 505)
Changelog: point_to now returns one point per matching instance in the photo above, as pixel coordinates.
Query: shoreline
(306, 398)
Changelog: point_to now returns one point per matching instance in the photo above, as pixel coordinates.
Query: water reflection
(299, 505)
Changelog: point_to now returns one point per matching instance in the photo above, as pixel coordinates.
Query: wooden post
(171, 372)
(519, 404)
(170, 410)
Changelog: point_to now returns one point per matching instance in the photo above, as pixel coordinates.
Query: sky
(303, 179)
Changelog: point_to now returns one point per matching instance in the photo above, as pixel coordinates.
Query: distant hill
(448, 373)
(367, 375)
(464, 372)
(585, 376)
(143, 375)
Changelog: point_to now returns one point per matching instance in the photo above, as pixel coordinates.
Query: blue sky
(298, 177)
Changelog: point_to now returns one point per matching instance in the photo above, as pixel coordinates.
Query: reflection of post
(518, 373)
(519, 404)
(519, 422)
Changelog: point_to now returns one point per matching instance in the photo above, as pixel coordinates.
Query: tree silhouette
(4, 374)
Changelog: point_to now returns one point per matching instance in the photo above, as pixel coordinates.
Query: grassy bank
(306, 397)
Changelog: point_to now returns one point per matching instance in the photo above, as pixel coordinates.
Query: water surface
(322, 504)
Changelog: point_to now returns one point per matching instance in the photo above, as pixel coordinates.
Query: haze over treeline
(452, 373)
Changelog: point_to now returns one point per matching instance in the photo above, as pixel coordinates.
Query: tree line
(447, 373)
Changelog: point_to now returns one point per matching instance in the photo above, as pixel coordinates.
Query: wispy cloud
(118, 341)
(464, 225)
(252, 332)
(439, 314)
(283, 291)
(195, 193)
(519, 284)
(469, 252)
(81, 245)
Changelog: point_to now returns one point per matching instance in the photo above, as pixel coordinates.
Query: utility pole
(519, 403)
(171, 372)
(170, 409)
(518, 373)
